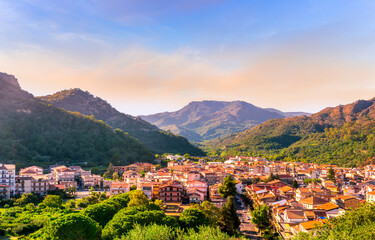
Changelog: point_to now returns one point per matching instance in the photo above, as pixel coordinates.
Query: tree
(72, 190)
(53, 201)
(192, 218)
(142, 173)
(72, 227)
(295, 184)
(101, 213)
(331, 174)
(110, 171)
(229, 221)
(115, 176)
(133, 187)
(186, 156)
(260, 216)
(28, 198)
(210, 211)
(228, 188)
(159, 203)
(138, 198)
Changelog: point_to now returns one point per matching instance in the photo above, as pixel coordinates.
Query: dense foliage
(156, 140)
(48, 135)
(356, 224)
(114, 218)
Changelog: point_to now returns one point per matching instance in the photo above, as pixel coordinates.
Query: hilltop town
(299, 196)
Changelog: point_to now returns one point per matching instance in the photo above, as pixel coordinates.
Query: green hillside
(33, 132)
(344, 135)
(158, 141)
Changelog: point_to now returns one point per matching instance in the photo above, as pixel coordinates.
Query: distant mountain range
(33, 132)
(207, 120)
(342, 135)
(158, 141)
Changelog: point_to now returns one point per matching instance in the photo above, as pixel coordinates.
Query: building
(118, 188)
(32, 184)
(92, 181)
(4, 191)
(8, 176)
(64, 174)
(131, 177)
(31, 171)
(215, 196)
(171, 192)
(197, 191)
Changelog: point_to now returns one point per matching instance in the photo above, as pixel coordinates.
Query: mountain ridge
(209, 119)
(77, 100)
(343, 135)
(33, 132)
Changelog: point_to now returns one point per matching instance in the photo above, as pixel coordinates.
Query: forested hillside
(152, 137)
(343, 135)
(33, 132)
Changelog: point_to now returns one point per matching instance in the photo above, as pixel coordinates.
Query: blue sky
(149, 56)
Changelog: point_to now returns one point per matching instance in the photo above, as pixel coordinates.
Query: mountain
(158, 141)
(207, 120)
(33, 132)
(342, 135)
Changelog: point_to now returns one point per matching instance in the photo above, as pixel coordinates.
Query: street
(246, 227)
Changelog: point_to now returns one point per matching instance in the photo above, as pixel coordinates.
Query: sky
(148, 56)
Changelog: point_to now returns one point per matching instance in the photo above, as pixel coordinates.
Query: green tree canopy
(192, 218)
(210, 211)
(229, 221)
(72, 226)
(101, 213)
(228, 188)
(138, 198)
(53, 201)
(260, 216)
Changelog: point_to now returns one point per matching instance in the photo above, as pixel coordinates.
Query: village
(300, 196)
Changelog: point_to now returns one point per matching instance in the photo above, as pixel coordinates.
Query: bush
(72, 226)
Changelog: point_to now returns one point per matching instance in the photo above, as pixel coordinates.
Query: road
(246, 227)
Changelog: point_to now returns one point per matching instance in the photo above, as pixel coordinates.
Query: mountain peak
(211, 119)
(9, 81)
(10, 88)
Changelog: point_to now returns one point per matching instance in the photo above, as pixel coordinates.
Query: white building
(8, 176)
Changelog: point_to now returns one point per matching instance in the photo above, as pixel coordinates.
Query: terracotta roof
(285, 189)
(313, 201)
(295, 214)
(119, 185)
(328, 206)
(310, 224)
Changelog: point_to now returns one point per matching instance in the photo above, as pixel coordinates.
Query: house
(293, 216)
(92, 181)
(306, 226)
(332, 210)
(196, 196)
(215, 196)
(8, 176)
(312, 202)
(171, 192)
(286, 191)
(198, 188)
(64, 174)
(30, 171)
(346, 202)
(118, 188)
(131, 177)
